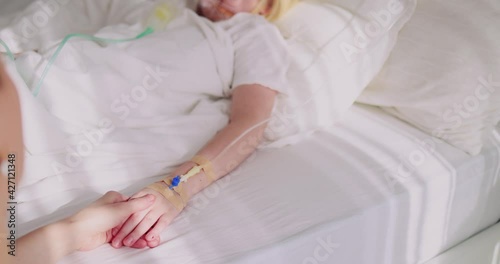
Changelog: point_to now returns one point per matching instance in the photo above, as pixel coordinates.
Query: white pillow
(444, 74)
(337, 48)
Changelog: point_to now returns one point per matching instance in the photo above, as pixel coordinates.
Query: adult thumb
(110, 198)
(136, 204)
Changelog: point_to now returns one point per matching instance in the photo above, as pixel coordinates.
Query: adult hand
(94, 223)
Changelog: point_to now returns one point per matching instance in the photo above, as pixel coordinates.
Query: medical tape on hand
(177, 196)
(179, 189)
(180, 200)
(206, 165)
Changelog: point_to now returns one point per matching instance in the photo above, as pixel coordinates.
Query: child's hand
(143, 228)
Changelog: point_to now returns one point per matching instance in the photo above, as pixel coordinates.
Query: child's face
(217, 10)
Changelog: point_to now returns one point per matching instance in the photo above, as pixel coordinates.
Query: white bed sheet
(9, 8)
(328, 199)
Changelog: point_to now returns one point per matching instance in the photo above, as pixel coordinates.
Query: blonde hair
(277, 8)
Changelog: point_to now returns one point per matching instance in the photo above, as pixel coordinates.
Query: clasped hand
(143, 228)
(93, 224)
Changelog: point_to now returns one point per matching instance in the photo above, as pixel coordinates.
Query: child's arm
(251, 104)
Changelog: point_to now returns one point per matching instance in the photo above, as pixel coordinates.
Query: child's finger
(134, 205)
(115, 230)
(160, 225)
(154, 243)
(141, 243)
(123, 211)
(127, 227)
(147, 222)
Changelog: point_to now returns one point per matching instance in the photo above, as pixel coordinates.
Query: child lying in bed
(257, 76)
(259, 70)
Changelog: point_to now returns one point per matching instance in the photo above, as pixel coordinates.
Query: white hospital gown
(260, 54)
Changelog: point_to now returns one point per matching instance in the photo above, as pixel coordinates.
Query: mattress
(371, 189)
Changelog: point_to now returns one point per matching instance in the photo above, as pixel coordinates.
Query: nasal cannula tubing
(162, 15)
(9, 52)
(36, 91)
(54, 56)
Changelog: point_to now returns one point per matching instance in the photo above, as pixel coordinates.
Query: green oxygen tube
(158, 20)
(8, 51)
(54, 56)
